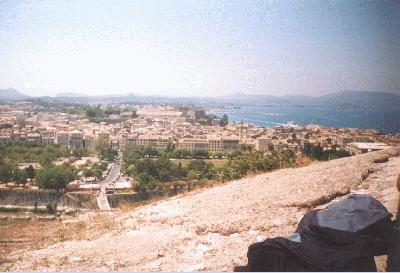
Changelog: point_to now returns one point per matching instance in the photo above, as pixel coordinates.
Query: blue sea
(270, 116)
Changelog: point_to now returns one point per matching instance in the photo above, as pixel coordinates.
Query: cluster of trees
(96, 114)
(55, 177)
(244, 163)
(51, 177)
(209, 118)
(81, 152)
(102, 146)
(96, 170)
(48, 177)
(182, 153)
(134, 114)
(317, 152)
(108, 154)
(151, 171)
(148, 172)
(63, 107)
(224, 121)
(43, 154)
(9, 172)
(171, 152)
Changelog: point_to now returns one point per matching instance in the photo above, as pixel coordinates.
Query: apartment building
(230, 143)
(193, 144)
(62, 138)
(103, 135)
(212, 144)
(47, 133)
(215, 144)
(76, 139)
(263, 144)
(88, 141)
(132, 141)
(4, 139)
(344, 140)
(279, 146)
(47, 140)
(158, 142)
(122, 141)
(34, 139)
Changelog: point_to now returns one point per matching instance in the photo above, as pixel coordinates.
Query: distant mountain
(71, 95)
(361, 99)
(11, 94)
(342, 99)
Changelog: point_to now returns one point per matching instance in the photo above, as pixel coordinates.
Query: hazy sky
(205, 48)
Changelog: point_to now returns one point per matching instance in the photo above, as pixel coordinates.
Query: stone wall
(28, 198)
(83, 199)
(116, 199)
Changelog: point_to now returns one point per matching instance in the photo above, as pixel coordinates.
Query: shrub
(51, 207)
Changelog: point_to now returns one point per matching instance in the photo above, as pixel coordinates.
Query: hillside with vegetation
(152, 168)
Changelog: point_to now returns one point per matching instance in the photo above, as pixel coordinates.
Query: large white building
(263, 144)
(211, 144)
(365, 147)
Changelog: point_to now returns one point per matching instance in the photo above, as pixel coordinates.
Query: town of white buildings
(159, 126)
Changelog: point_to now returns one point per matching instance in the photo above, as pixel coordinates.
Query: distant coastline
(353, 109)
(387, 121)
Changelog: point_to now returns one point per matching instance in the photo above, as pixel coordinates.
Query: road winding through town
(102, 201)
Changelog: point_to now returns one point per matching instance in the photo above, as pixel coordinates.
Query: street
(102, 201)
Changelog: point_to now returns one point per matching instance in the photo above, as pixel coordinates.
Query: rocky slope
(211, 229)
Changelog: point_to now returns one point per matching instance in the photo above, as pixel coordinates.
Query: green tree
(112, 111)
(30, 172)
(94, 113)
(181, 153)
(94, 171)
(192, 175)
(170, 147)
(243, 164)
(246, 148)
(102, 144)
(224, 121)
(6, 172)
(20, 176)
(146, 182)
(87, 173)
(203, 169)
(97, 173)
(151, 152)
(134, 114)
(55, 177)
(200, 153)
(108, 154)
(80, 152)
(103, 166)
(165, 169)
(130, 170)
(179, 171)
(45, 159)
(131, 156)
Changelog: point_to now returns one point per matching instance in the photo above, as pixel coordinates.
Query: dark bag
(343, 237)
